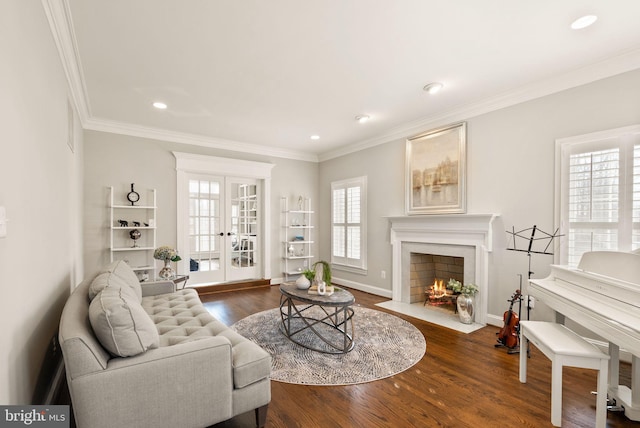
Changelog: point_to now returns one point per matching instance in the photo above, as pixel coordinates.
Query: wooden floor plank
(462, 381)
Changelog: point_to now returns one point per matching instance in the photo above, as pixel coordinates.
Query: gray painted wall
(119, 160)
(40, 258)
(510, 171)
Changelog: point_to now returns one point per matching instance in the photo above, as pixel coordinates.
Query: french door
(223, 229)
(223, 213)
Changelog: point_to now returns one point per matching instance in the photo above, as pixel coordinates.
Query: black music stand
(534, 245)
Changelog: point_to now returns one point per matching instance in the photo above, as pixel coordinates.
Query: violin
(508, 334)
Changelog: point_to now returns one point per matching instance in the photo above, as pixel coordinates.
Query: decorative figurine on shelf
(136, 224)
(133, 196)
(135, 235)
(291, 250)
(123, 223)
(300, 203)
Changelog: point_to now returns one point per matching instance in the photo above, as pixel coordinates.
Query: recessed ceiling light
(363, 118)
(315, 137)
(160, 105)
(433, 88)
(583, 22)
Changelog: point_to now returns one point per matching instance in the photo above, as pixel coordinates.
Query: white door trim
(193, 163)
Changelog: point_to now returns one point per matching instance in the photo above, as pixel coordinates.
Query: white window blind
(600, 193)
(593, 202)
(348, 229)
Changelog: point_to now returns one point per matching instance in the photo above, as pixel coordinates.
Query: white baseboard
(362, 287)
(495, 320)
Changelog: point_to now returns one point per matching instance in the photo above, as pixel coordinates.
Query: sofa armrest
(188, 384)
(153, 288)
(174, 354)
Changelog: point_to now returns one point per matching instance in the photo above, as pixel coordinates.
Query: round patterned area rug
(384, 346)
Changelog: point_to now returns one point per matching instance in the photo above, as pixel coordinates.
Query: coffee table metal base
(338, 320)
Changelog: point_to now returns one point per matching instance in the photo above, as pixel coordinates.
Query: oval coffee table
(328, 318)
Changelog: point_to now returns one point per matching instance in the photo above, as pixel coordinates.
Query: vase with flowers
(465, 299)
(167, 255)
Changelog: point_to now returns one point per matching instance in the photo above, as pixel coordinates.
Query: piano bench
(564, 348)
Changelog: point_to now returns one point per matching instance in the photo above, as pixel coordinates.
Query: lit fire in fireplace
(438, 290)
(437, 294)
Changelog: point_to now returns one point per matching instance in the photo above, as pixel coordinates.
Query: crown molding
(59, 17)
(621, 63)
(122, 128)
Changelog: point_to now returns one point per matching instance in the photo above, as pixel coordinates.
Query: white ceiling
(263, 76)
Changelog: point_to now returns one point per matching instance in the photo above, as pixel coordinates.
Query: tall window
(348, 223)
(600, 193)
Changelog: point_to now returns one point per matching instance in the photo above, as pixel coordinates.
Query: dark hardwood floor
(462, 381)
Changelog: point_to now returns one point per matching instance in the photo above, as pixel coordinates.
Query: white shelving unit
(138, 254)
(297, 242)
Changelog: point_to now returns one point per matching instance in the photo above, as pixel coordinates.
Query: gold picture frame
(435, 180)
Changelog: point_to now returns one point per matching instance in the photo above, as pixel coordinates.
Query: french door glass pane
(244, 225)
(204, 223)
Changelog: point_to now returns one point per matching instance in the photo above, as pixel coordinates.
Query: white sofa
(146, 355)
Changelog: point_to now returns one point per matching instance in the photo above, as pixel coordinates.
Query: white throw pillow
(121, 324)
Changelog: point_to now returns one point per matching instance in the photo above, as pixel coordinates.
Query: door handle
(221, 234)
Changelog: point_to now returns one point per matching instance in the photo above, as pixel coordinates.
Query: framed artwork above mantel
(435, 171)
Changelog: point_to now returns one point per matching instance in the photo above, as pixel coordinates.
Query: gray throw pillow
(104, 280)
(121, 324)
(122, 270)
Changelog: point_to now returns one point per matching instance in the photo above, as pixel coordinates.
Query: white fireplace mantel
(466, 230)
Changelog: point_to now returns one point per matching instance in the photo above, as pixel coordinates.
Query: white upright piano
(603, 295)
